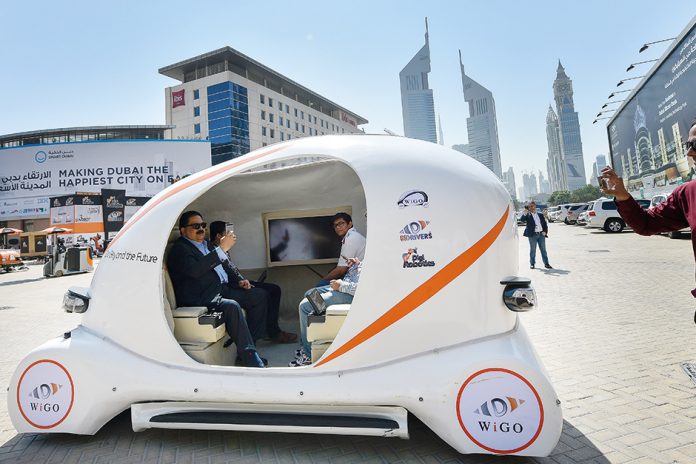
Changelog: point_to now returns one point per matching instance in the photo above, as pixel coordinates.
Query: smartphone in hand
(229, 227)
(602, 182)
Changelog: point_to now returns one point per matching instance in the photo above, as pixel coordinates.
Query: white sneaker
(301, 360)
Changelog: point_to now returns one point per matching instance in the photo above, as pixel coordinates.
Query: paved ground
(616, 322)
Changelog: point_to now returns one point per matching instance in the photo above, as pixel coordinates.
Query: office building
(481, 125)
(555, 164)
(417, 104)
(509, 182)
(239, 105)
(569, 129)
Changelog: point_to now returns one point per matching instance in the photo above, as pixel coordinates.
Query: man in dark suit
(536, 230)
(253, 294)
(199, 279)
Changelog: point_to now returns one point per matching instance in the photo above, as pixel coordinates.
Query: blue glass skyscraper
(417, 105)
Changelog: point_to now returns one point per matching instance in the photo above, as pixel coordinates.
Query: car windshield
(576, 207)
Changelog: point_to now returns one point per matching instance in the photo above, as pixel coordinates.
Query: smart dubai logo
(500, 410)
(40, 157)
(416, 230)
(45, 394)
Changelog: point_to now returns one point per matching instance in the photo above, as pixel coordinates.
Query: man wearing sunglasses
(677, 212)
(199, 279)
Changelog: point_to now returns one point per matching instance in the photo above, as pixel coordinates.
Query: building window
(303, 128)
(295, 112)
(280, 106)
(262, 98)
(196, 111)
(289, 136)
(270, 117)
(272, 133)
(297, 126)
(302, 115)
(270, 102)
(263, 115)
(287, 123)
(280, 121)
(196, 94)
(263, 131)
(196, 128)
(282, 136)
(287, 109)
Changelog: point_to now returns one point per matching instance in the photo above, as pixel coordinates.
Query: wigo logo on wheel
(500, 410)
(45, 394)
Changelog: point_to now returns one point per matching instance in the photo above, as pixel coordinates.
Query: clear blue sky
(85, 63)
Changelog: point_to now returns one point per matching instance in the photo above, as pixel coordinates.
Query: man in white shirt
(352, 246)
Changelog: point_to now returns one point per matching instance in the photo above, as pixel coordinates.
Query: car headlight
(76, 300)
(518, 294)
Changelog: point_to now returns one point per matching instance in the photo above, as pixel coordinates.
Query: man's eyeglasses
(199, 225)
(340, 224)
(689, 144)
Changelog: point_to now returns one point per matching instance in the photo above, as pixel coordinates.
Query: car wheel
(614, 226)
(674, 234)
(566, 221)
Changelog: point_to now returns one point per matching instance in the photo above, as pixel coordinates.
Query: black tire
(614, 226)
(674, 234)
(566, 221)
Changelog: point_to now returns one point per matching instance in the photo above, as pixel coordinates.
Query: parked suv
(603, 214)
(661, 198)
(573, 213)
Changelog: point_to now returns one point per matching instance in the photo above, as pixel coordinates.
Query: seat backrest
(169, 298)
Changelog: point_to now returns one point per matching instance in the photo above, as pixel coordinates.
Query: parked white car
(603, 214)
(563, 211)
(661, 198)
(575, 211)
(552, 213)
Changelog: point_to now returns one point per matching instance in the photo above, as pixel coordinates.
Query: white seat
(322, 334)
(191, 335)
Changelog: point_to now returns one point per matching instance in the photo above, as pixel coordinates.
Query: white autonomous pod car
(433, 329)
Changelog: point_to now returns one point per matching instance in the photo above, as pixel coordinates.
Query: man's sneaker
(251, 358)
(548, 266)
(301, 360)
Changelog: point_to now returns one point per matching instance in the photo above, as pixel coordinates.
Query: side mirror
(76, 300)
(518, 294)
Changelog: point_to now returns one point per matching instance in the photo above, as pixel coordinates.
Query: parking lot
(615, 322)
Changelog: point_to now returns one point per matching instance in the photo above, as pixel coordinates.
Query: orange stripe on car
(184, 184)
(424, 292)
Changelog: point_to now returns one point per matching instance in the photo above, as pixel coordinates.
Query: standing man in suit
(199, 279)
(536, 231)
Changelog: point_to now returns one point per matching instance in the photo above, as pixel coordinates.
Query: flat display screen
(302, 239)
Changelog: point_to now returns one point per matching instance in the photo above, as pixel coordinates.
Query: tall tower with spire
(482, 124)
(555, 164)
(569, 126)
(417, 104)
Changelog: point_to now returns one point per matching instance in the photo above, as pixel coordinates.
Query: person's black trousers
(255, 302)
(236, 324)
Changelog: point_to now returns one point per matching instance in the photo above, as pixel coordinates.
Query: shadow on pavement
(23, 281)
(555, 272)
(117, 442)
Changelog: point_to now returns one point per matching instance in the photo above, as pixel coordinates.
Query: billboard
(646, 135)
(141, 168)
